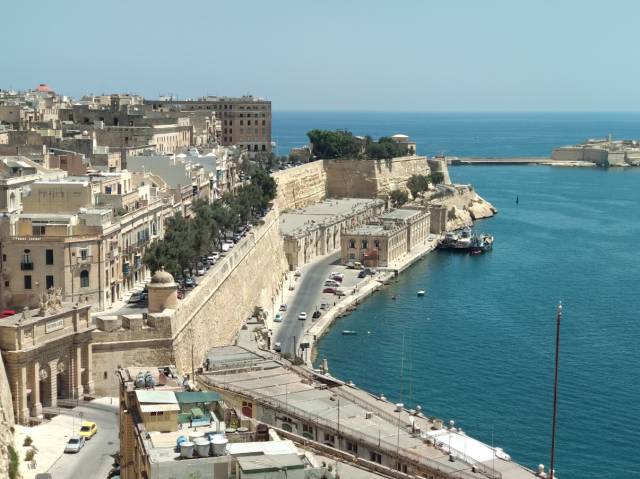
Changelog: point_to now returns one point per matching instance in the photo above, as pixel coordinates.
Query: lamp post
(555, 394)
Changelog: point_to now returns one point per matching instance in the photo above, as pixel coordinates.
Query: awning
(197, 397)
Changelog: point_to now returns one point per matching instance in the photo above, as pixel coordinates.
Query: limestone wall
(463, 205)
(214, 313)
(371, 178)
(6, 421)
(301, 186)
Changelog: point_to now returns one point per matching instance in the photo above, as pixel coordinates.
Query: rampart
(6, 421)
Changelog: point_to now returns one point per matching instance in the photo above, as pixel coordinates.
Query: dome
(162, 277)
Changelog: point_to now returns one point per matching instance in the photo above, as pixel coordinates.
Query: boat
(347, 332)
(421, 292)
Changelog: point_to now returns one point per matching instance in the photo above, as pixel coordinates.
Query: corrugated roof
(197, 397)
(156, 397)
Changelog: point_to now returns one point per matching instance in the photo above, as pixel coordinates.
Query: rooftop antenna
(555, 393)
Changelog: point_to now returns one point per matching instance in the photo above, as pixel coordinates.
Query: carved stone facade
(47, 356)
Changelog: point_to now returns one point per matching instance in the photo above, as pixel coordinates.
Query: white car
(277, 318)
(74, 444)
(302, 315)
(277, 347)
(201, 271)
(332, 283)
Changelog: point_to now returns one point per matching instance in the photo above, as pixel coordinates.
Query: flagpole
(555, 393)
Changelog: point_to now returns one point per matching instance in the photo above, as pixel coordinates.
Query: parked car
(331, 282)
(339, 292)
(134, 298)
(297, 274)
(215, 255)
(283, 307)
(302, 315)
(8, 312)
(74, 444)
(201, 271)
(189, 282)
(324, 306)
(88, 429)
(277, 318)
(361, 274)
(277, 347)
(316, 314)
(329, 289)
(180, 293)
(337, 276)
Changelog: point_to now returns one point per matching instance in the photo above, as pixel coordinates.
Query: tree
(437, 177)
(334, 144)
(418, 184)
(399, 198)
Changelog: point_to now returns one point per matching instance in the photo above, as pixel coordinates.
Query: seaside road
(307, 298)
(95, 458)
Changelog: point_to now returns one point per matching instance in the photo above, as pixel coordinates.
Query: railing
(84, 260)
(26, 266)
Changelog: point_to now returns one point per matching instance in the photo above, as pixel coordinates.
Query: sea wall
(6, 421)
(372, 178)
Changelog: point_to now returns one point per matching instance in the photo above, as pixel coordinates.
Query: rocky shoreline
(463, 204)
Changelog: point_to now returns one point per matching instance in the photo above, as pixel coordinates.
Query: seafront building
(386, 239)
(602, 152)
(316, 230)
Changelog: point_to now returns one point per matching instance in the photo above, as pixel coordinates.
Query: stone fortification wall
(371, 178)
(6, 421)
(213, 314)
(301, 186)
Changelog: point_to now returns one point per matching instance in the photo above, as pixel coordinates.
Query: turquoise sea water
(478, 348)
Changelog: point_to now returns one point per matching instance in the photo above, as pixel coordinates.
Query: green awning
(196, 412)
(195, 397)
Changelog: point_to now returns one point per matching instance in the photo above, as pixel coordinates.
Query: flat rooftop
(400, 214)
(326, 212)
(370, 230)
(374, 420)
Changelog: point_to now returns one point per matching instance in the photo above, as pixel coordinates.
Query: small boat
(421, 292)
(393, 297)
(346, 332)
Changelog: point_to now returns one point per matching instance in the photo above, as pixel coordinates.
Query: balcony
(86, 260)
(26, 266)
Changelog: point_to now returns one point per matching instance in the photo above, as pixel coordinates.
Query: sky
(403, 55)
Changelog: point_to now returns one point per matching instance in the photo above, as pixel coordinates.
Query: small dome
(162, 277)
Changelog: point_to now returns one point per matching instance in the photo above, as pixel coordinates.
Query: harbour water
(478, 348)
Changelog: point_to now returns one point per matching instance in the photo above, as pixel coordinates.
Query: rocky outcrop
(463, 204)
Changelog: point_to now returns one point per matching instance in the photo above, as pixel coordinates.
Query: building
(246, 120)
(168, 432)
(602, 152)
(316, 229)
(393, 235)
(47, 354)
(365, 429)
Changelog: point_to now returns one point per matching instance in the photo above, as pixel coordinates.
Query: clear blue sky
(453, 55)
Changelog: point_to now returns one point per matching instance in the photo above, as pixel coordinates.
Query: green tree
(399, 198)
(437, 177)
(334, 144)
(418, 184)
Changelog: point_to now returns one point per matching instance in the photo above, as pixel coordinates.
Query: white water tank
(202, 446)
(186, 450)
(219, 445)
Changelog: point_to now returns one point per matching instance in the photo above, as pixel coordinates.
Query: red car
(7, 312)
(329, 290)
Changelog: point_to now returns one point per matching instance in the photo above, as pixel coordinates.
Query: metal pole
(555, 392)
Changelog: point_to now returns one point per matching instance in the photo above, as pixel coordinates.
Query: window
(352, 447)
(49, 281)
(328, 437)
(264, 147)
(83, 254)
(49, 256)
(365, 243)
(375, 457)
(352, 243)
(84, 278)
(27, 282)
(38, 230)
(248, 122)
(376, 243)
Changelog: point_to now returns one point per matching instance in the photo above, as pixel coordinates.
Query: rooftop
(326, 212)
(400, 214)
(370, 230)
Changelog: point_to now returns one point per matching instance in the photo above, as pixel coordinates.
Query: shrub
(399, 198)
(28, 457)
(13, 462)
(27, 441)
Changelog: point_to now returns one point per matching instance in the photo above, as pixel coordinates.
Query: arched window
(84, 278)
(12, 202)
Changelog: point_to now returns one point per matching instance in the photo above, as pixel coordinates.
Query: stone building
(47, 355)
(316, 229)
(246, 120)
(395, 234)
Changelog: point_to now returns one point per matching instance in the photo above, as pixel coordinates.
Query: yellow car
(88, 429)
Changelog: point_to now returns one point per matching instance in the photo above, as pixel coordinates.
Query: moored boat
(347, 332)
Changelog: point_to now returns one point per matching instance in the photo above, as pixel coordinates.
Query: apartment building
(246, 120)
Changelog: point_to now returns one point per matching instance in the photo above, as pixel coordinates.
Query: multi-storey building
(246, 120)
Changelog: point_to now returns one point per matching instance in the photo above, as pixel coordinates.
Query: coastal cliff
(463, 204)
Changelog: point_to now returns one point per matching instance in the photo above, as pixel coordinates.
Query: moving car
(302, 315)
(74, 444)
(88, 429)
(277, 347)
(277, 318)
(283, 307)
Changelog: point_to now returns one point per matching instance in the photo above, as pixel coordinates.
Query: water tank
(186, 450)
(149, 380)
(140, 380)
(202, 446)
(180, 440)
(219, 445)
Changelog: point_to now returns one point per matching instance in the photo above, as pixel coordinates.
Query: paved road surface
(307, 297)
(95, 459)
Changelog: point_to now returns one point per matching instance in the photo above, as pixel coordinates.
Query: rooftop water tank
(186, 450)
(140, 380)
(202, 446)
(219, 445)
